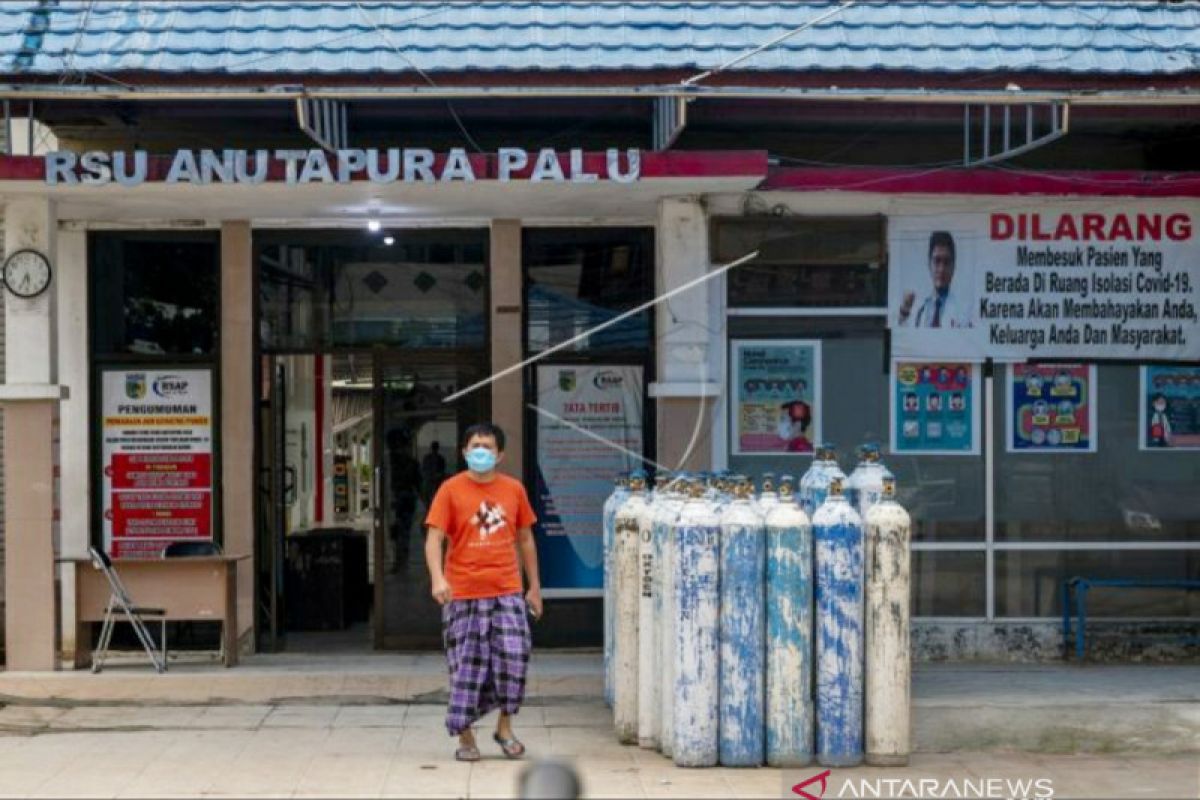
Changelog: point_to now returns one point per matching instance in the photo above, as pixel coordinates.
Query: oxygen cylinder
(649, 644)
(697, 601)
(852, 480)
(742, 631)
(867, 481)
(666, 515)
(625, 651)
(823, 470)
(790, 714)
(838, 546)
(888, 713)
(767, 498)
(660, 483)
(608, 526)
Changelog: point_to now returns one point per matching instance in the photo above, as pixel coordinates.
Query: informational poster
(1170, 408)
(1068, 280)
(157, 459)
(775, 396)
(935, 408)
(589, 429)
(1052, 408)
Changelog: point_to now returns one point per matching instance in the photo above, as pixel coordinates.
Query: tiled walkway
(371, 726)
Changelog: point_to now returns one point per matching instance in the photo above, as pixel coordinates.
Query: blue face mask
(481, 460)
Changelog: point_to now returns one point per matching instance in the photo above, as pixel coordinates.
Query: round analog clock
(27, 273)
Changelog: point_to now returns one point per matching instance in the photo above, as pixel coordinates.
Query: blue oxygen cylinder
(790, 713)
(649, 643)
(666, 517)
(742, 630)
(609, 525)
(819, 476)
(697, 664)
(627, 586)
(838, 545)
(767, 497)
(804, 494)
(888, 717)
(868, 487)
(856, 475)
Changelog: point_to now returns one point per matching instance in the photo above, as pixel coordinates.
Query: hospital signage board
(1074, 280)
(316, 166)
(157, 459)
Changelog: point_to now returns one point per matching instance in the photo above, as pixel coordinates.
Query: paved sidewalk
(295, 750)
(371, 726)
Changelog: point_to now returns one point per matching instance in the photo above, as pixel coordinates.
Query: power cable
(449, 105)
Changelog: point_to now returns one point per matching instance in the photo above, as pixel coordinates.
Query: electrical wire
(449, 105)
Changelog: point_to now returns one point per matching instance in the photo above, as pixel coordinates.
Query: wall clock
(27, 273)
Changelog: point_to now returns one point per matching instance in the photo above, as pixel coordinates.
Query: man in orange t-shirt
(487, 519)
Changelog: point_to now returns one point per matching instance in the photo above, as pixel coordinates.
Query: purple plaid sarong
(487, 651)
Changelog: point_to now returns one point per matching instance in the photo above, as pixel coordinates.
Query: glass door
(276, 481)
(416, 448)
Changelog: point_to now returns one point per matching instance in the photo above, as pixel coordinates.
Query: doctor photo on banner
(932, 297)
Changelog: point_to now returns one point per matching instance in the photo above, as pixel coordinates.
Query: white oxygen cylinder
(666, 515)
(649, 651)
(767, 498)
(625, 651)
(697, 599)
(609, 526)
(888, 723)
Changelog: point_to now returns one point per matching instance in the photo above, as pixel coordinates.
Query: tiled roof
(1138, 38)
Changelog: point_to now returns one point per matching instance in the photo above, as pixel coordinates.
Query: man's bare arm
(529, 562)
(434, 537)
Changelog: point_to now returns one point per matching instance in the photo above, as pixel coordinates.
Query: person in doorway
(404, 481)
(942, 307)
(433, 470)
(487, 519)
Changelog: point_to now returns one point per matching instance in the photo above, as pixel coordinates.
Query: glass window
(944, 494)
(949, 584)
(1116, 493)
(154, 294)
(807, 262)
(1029, 582)
(577, 279)
(320, 289)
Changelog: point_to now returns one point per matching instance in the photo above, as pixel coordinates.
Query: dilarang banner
(1075, 280)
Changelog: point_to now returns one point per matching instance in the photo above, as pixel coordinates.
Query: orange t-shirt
(481, 521)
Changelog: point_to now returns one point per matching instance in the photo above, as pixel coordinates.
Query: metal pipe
(1084, 97)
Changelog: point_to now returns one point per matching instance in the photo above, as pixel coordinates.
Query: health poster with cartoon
(776, 390)
(935, 408)
(1170, 408)
(1052, 408)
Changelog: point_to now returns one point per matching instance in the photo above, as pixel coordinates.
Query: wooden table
(187, 588)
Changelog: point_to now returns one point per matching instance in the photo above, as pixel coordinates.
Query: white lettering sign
(407, 165)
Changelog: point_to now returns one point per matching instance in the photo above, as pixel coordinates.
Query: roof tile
(271, 36)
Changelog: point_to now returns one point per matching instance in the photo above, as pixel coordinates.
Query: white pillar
(688, 382)
(30, 397)
(75, 513)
